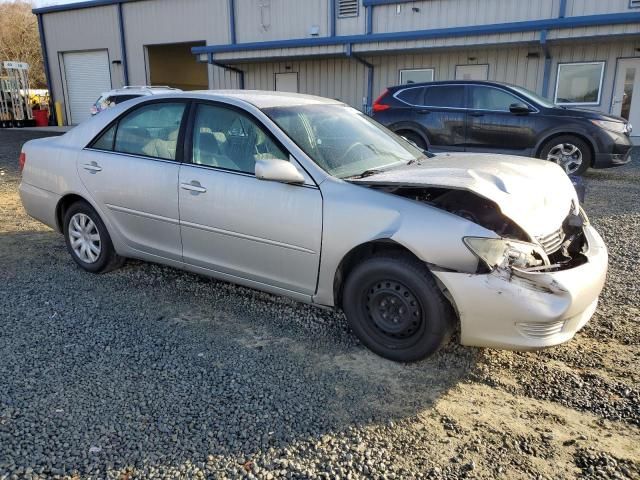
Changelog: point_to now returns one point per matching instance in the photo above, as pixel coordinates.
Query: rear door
(131, 171)
(442, 116)
(235, 224)
(491, 125)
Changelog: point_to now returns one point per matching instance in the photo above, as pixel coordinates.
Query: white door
(87, 76)
(287, 82)
(472, 72)
(626, 95)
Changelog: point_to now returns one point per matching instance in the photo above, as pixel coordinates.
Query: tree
(20, 40)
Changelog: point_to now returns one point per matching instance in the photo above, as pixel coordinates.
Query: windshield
(343, 141)
(533, 96)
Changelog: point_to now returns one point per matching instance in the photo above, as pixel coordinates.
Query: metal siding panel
(159, 22)
(596, 7)
(282, 19)
(87, 29)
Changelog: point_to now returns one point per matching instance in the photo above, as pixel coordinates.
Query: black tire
(414, 138)
(553, 147)
(418, 321)
(107, 259)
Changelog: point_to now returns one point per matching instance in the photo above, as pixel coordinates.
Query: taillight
(22, 160)
(378, 106)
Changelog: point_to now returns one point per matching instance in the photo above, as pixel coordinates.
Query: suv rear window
(412, 96)
(450, 96)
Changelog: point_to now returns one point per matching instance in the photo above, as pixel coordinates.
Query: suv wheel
(395, 308)
(88, 241)
(571, 153)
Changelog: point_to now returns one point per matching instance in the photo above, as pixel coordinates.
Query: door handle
(194, 187)
(477, 114)
(92, 167)
(423, 112)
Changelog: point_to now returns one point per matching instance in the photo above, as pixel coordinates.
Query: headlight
(498, 252)
(618, 127)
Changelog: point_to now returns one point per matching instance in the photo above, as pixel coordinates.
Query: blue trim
(369, 99)
(368, 12)
(534, 25)
(563, 9)
(47, 71)
(78, 5)
(372, 3)
(332, 18)
(232, 22)
(123, 45)
(546, 76)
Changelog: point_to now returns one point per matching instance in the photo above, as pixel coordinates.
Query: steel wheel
(84, 238)
(393, 309)
(567, 155)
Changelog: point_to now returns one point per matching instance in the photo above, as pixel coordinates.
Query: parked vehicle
(114, 97)
(474, 116)
(309, 198)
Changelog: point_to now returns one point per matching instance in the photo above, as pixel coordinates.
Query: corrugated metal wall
(155, 22)
(75, 30)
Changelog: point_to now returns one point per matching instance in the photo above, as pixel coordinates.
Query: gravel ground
(150, 372)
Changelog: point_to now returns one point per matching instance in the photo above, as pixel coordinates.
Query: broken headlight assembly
(503, 252)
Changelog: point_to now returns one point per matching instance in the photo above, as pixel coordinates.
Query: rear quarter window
(412, 96)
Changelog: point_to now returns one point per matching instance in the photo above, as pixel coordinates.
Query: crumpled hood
(535, 194)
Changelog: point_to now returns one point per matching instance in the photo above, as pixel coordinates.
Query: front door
(492, 127)
(626, 96)
(235, 224)
(131, 172)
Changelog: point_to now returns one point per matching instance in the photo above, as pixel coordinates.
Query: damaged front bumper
(520, 310)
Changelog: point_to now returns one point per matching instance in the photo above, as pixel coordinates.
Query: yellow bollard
(58, 107)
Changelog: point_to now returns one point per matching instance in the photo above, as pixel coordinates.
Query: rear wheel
(571, 153)
(88, 240)
(395, 308)
(414, 138)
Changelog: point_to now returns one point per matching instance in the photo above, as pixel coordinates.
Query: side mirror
(519, 109)
(278, 170)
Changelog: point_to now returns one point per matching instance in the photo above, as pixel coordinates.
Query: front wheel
(571, 153)
(395, 308)
(88, 240)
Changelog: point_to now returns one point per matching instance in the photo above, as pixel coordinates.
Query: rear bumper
(40, 204)
(528, 311)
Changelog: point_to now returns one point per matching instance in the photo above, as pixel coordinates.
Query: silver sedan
(307, 197)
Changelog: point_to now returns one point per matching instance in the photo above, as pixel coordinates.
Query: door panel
(259, 230)
(492, 127)
(140, 197)
(626, 96)
(442, 117)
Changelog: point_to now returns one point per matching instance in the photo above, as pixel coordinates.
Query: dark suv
(476, 116)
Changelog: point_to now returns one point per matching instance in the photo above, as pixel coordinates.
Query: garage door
(87, 76)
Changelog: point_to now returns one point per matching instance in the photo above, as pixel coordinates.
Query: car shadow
(152, 366)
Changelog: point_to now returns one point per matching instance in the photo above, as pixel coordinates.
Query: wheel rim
(567, 155)
(393, 311)
(85, 238)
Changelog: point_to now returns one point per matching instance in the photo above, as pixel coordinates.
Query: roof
(268, 99)
(452, 82)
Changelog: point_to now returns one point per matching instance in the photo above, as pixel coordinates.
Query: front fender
(354, 215)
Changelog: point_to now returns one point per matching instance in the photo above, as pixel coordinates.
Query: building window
(579, 83)
(472, 72)
(634, 3)
(347, 8)
(416, 75)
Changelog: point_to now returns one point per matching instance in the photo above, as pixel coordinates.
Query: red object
(22, 160)
(41, 118)
(378, 106)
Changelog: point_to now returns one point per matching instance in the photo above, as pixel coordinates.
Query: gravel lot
(149, 372)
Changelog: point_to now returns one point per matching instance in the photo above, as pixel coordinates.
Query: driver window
(487, 98)
(226, 138)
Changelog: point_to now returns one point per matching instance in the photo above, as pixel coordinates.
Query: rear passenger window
(449, 96)
(412, 96)
(226, 138)
(151, 131)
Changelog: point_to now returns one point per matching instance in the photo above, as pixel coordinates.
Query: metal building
(575, 52)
